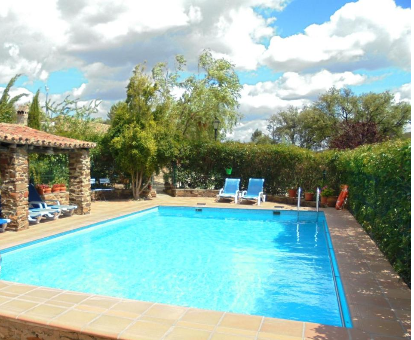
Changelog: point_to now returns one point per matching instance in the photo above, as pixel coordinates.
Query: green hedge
(203, 165)
(379, 177)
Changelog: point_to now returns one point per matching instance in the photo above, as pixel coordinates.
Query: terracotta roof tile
(20, 134)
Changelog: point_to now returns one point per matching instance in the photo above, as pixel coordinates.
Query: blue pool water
(245, 261)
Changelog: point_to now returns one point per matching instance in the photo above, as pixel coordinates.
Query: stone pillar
(80, 181)
(14, 169)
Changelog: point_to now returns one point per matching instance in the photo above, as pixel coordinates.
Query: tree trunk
(136, 182)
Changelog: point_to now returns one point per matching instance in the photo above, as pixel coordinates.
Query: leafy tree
(71, 119)
(140, 137)
(35, 113)
(211, 94)
(7, 110)
(354, 134)
(258, 137)
(339, 118)
(285, 126)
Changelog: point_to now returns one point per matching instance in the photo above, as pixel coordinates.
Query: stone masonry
(79, 177)
(14, 174)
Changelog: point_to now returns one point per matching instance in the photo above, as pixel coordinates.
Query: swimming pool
(258, 262)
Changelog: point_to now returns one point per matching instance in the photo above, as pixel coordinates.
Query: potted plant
(62, 187)
(56, 188)
(309, 195)
(325, 193)
(292, 192)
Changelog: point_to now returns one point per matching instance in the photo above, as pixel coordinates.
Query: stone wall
(14, 174)
(192, 192)
(62, 197)
(80, 183)
(11, 329)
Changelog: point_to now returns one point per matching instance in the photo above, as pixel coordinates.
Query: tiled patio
(379, 303)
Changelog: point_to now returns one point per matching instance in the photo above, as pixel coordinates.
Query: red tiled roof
(20, 134)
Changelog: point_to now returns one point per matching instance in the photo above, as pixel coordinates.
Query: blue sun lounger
(254, 190)
(36, 202)
(230, 190)
(3, 224)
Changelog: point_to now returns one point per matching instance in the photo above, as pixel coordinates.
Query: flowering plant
(326, 191)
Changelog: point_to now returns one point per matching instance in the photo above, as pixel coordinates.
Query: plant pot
(309, 196)
(292, 192)
(324, 199)
(332, 201)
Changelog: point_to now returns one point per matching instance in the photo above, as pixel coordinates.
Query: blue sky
(286, 52)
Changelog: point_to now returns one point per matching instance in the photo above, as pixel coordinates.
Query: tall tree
(140, 137)
(35, 112)
(7, 109)
(258, 137)
(210, 94)
(368, 118)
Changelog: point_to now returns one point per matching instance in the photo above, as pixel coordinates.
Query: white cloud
(244, 130)
(364, 34)
(291, 89)
(403, 93)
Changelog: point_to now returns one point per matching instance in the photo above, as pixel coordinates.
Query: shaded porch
(16, 143)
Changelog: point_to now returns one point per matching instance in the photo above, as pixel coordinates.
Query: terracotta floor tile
(318, 332)
(366, 311)
(73, 320)
(270, 336)
(107, 325)
(281, 327)
(100, 302)
(202, 316)
(195, 325)
(17, 289)
(168, 322)
(72, 298)
(17, 306)
(137, 307)
(398, 303)
(147, 330)
(381, 327)
(243, 322)
(165, 311)
(220, 336)
(44, 312)
(42, 293)
(179, 333)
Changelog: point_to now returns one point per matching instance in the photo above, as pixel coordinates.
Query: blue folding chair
(230, 190)
(254, 191)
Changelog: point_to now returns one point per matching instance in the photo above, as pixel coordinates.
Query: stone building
(16, 143)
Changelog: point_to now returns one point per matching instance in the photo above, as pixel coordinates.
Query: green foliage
(48, 169)
(282, 166)
(140, 139)
(35, 113)
(211, 94)
(379, 179)
(7, 110)
(341, 119)
(70, 119)
(258, 137)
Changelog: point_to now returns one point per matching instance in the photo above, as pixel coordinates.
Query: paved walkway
(379, 303)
